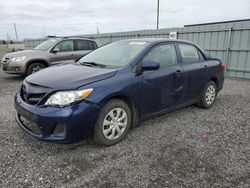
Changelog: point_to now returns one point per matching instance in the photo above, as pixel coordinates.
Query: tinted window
(189, 53)
(164, 54)
(65, 46)
(84, 45)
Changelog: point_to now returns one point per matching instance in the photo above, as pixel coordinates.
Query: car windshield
(116, 54)
(46, 45)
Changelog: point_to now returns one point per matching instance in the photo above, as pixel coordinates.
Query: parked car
(51, 52)
(112, 88)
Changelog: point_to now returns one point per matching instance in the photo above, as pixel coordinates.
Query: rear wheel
(113, 123)
(209, 95)
(34, 67)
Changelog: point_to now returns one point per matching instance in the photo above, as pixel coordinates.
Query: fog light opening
(59, 131)
(17, 69)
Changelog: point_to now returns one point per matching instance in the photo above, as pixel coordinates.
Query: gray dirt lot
(167, 151)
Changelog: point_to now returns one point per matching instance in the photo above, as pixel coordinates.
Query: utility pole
(97, 30)
(15, 31)
(158, 7)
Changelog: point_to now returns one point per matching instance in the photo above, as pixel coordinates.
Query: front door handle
(178, 73)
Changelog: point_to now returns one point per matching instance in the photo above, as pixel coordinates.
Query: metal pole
(228, 49)
(158, 7)
(15, 31)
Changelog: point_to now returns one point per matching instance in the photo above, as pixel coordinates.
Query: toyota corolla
(109, 90)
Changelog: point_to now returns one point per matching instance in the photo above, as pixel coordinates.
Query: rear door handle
(177, 90)
(205, 66)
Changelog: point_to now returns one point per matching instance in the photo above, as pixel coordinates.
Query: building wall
(229, 42)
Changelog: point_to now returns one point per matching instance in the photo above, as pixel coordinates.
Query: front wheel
(208, 96)
(35, 67)
(113, 123)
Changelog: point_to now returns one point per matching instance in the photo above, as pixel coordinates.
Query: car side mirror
(55, 50)
(150, 65)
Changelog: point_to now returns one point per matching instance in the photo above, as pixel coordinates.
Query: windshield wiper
(93, 64)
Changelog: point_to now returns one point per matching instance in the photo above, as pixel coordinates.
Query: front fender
(121, 85)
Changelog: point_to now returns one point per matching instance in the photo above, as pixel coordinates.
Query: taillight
(222, 65)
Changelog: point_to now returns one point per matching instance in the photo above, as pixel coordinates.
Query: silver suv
(51, 52)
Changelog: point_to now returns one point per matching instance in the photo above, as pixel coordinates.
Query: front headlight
(21, 58)
(63, 98)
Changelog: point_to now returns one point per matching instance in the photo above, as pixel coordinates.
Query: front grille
(31, 126)
(32, 94)
(32, 99)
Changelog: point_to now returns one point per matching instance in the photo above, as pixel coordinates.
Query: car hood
(70, 76)
(24, 53)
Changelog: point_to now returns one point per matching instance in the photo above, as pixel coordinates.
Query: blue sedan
(109, 90)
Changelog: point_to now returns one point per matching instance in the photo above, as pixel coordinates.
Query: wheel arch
(216, 81)
(129, 102)
(42, 61)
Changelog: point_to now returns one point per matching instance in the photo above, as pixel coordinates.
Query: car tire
(34, 67)
(113, 123)
(208, 96)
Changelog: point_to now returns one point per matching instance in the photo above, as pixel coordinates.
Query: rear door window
(81, 45)
(189, 53)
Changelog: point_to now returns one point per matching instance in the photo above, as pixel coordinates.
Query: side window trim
(74, 45)
(201, 55)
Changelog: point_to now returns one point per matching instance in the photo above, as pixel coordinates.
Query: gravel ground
(190, 147)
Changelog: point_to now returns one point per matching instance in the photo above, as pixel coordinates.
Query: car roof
(158, 40)
(69, 38)
(154, 41)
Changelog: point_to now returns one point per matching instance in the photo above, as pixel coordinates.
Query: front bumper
(78, 120)
(12, 68)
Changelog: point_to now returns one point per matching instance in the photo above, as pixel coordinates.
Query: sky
(39, 18)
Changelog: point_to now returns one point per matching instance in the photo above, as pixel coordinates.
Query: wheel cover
(36, 69)
(115, 123)
(210, 94)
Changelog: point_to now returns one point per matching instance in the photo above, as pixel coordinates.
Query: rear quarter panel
(216, 72)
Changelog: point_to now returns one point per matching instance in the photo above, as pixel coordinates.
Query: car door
(160, 88)
(195, 71)
(64, 52)
(82, 47)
